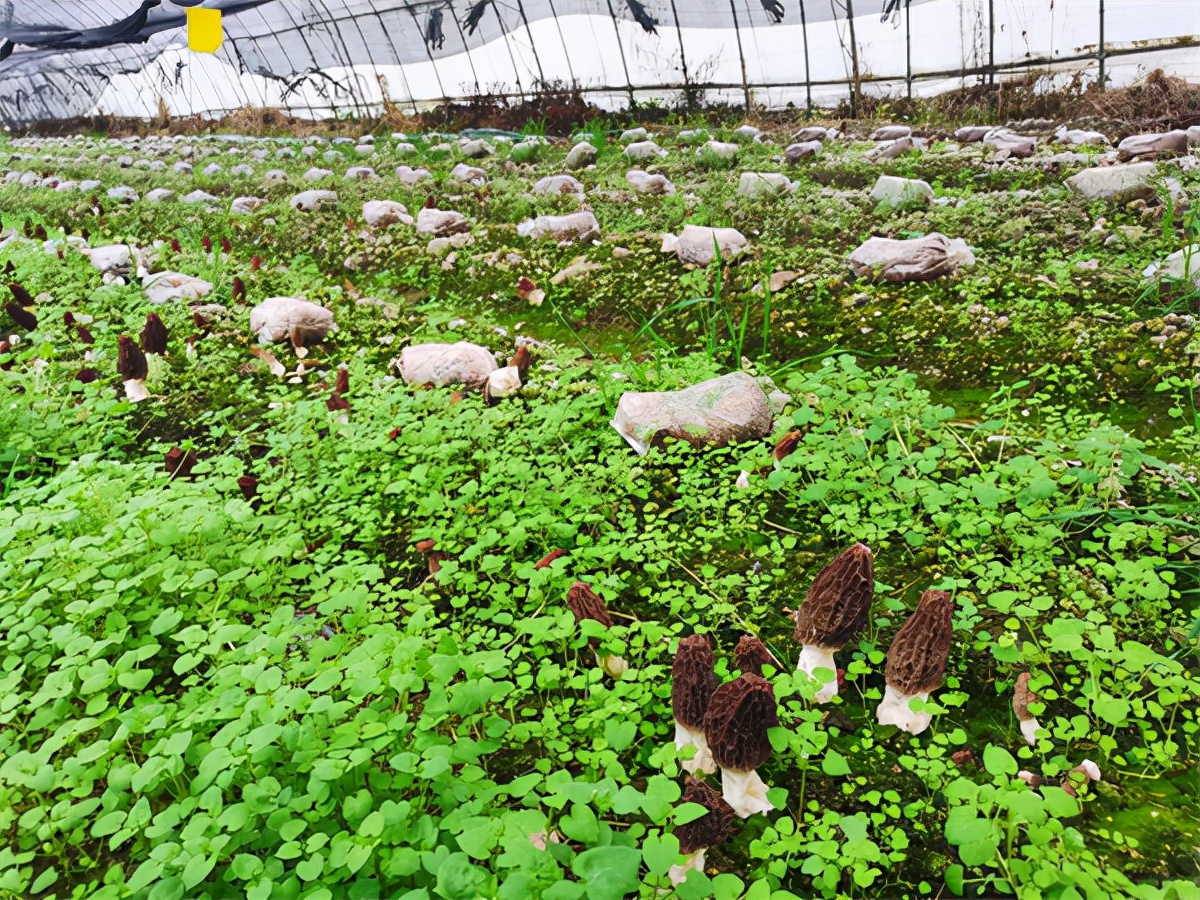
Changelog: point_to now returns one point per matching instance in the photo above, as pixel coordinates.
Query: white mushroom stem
(743, 480)
(502, 382)
(135, 390)
(1029, 729)
(893, 710)
(812, 658)
(613, 666)
(703, 760)
(745, 792)
(692, 861)
(1088, 768)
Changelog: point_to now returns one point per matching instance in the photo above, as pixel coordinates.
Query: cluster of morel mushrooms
(727, 724)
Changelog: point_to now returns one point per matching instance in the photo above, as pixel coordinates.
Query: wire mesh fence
(61, 59)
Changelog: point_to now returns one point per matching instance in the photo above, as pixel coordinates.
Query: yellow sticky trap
(204, 30)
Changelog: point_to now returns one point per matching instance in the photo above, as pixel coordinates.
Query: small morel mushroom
(20, 295)
(86, 376)
(1022, 697)
(692, 684)
(176, 247)
(85, 336)
(226, 246)
(5, 349)
(549, 558)
(735, 726)
(521, 360)
(179, 462)
(68, 319)
(23, 317)
(834, 612)
(343, 380)
(131, 364)
(154, 335)
(206, 243)
(198, 320)
(707, 831)
(337, 402)
(395, 433)
(238, 292)
(751, 654)
(9, 268)
(787, 445)
(916, 662)
(255, 263)
(585, 603)
(248, 485)
(40, 234)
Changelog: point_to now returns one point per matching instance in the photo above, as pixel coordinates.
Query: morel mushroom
(692, 684)
(751, 654)
(1022, 697)
(699, 834)
(916, 662)
(586, 604)
(833, 613)
(23, 317)
(735, 726)
(787, 446)
(154, 335)
(131, 364)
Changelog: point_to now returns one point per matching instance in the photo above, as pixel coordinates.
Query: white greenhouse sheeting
(68, 58)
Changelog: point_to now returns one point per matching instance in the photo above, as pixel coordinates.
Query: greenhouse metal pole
(682, 57)
(1101, 52)
(908, 47)
(621, 49)
(741, 55)
(854, 88)
(991, 42)
(807, 70)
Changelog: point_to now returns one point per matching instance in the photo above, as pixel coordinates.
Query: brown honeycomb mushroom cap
(692, 680)
(751, 655)
(707, 831)
(586, 604)
(154, 335)
(1022, 697)
(735, 726)
(131, 362)
(836, 607)
(917, 658)
(787, 444)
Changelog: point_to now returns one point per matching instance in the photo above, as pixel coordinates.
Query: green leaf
(166, 621)
(954, 879)
(999, 761)
(619, 734)
(964, 825)
(372, 825)
(459, 879)
(310, 869)
(834, 764)
(245, 866)
(660, 852)
(727, 886)
(978, 853)
(608, 873)
(197, 870)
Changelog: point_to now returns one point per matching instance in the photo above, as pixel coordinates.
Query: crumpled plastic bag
(442, 364)
(720, 411)
(918, 259)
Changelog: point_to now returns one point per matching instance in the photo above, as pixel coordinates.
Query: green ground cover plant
(243, 678)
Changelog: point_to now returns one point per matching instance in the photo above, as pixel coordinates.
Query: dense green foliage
(206, 694)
